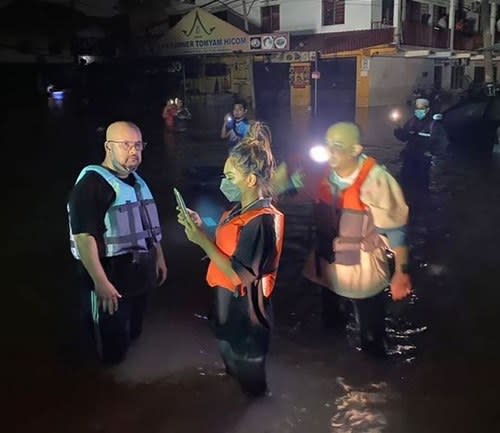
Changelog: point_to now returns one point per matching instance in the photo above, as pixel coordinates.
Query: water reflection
(55, 105)
(361, 409)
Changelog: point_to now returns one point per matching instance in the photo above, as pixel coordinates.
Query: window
(387, 12)
(413, 12)
(479, 74)
(438, 77)
(270, 18)
(457, 77)
(333, 12)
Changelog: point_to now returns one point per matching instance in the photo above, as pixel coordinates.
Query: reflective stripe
(94, 304)
(424, 134)
(131, 238)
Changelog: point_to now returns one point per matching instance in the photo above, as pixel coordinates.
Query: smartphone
(180, 203)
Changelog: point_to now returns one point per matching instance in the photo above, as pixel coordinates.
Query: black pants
(415, 173)
(369, 314)
(114, 332)
(242, 328)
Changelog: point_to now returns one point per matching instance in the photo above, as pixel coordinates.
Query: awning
(328, 43)
(494, 47)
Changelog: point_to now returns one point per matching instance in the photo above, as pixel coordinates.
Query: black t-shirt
(88, 203)
(245, 321)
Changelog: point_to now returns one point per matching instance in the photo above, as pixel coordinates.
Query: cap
(422, 101)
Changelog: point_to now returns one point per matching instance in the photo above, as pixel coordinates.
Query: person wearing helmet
(360, 213)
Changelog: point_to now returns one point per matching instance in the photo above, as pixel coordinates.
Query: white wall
(392, 79)
(358, 16)
(296, 15)
(305, 15)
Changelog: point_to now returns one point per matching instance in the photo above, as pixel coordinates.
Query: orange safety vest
(227, 238)
(349, 198)
(354, 224)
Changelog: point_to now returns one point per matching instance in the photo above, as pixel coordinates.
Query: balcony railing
(381, 25)
(422, 35)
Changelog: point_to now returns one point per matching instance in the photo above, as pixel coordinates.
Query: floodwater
(442, 374)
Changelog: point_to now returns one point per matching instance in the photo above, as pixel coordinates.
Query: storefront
(217, 56)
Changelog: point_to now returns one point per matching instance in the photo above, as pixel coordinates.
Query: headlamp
(319, 153)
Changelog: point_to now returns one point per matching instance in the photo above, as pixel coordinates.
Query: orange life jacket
(349, 198)
(353, 221)
(227, 238)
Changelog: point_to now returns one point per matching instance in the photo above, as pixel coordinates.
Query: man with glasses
(115, 236)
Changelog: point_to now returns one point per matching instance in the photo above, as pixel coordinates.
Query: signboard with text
(200, 32)
(299, 75)
(270, 42)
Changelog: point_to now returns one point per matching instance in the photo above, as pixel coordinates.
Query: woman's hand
(195, 218)
(192, 227)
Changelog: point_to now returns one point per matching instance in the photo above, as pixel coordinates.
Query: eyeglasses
(127, 145)
(336, 147)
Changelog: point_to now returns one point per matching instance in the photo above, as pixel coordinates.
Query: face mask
(420, 114)
(230, 190)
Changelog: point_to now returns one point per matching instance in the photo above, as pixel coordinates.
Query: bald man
(360, 213)
(115, 236)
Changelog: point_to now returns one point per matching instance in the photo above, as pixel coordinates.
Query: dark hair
(253, 156)
(241, 102)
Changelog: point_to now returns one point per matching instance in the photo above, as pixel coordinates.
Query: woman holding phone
(244, 259)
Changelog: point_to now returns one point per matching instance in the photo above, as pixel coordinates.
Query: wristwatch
(404, 268)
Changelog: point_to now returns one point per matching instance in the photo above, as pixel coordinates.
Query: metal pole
(184, 82)
(396, 22)
(249, 56)
(451, 22)
(493, 18)
(488, 53)
(245, 14)
(316, 86)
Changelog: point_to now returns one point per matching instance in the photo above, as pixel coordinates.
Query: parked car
(472, 124)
